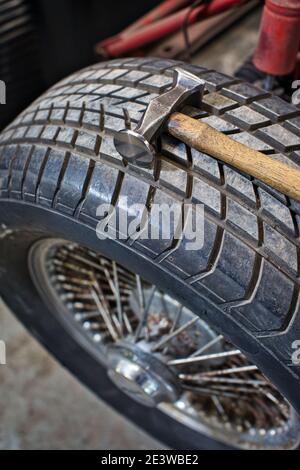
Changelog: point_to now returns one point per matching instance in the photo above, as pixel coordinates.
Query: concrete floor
(42, 406)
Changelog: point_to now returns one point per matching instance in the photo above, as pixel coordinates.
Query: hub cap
(141, 376)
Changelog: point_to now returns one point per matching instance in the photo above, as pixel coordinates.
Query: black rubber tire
(58, 163)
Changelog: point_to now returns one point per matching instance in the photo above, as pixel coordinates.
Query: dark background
(42, 41)
(71, 28)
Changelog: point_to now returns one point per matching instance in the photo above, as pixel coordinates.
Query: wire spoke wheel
(159, 352)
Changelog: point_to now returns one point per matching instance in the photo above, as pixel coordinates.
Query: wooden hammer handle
(205, 138)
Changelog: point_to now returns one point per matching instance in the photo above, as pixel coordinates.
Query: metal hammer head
(138, 146)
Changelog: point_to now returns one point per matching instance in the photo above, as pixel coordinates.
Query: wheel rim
(160, 353)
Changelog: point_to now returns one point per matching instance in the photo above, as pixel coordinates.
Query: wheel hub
(141, 375)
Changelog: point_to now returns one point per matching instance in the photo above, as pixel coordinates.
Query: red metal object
(279, 39)
(122, 44)
(163, 9)
(174, 45)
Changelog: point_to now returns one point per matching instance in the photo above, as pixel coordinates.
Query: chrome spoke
(175, 333)
(207, 357)
(117, 325)
(176, 319)
(127, 323)
(217, 402)
(105, 316)
(141, 298)
(230, 370)
(174, 324)
(209, 392)
(140, 292)
(143, 320)
(232, 389)
(195, 378)
(86, 316)
(207, 346)
(118, 296)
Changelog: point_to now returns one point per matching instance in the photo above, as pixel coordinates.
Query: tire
(58, 163)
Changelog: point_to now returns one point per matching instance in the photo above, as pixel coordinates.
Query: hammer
(139, 146)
